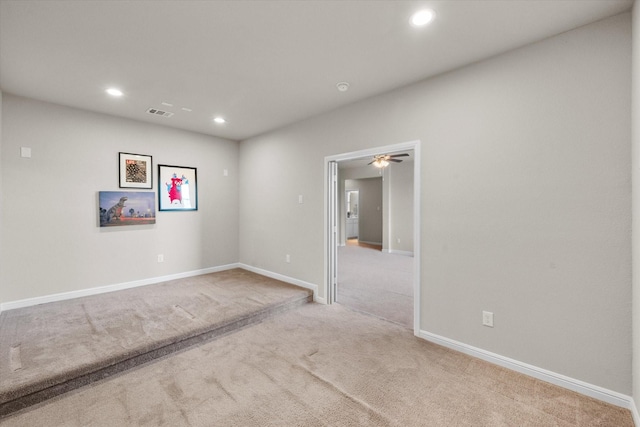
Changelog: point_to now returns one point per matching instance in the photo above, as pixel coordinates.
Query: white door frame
(331, 215)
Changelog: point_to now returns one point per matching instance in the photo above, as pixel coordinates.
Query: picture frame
(118, 208)
(177, 188)
(135, 170)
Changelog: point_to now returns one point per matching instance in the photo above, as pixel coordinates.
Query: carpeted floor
(377, 283)
(50, 348)
(320, 365)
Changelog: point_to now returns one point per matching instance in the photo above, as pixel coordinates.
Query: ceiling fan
(382, 160)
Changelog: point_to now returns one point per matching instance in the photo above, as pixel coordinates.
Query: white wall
(635, 128)
(400, 207)
(50, 239)
(525, 197)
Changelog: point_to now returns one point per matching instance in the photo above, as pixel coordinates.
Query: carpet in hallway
(377, 283)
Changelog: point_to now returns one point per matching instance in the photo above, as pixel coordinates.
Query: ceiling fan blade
(394, 160)
(370, 162)
(399, 155)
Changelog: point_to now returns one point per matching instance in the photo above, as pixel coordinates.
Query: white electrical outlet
(487, 318)
(300, 199)
(288, 258)
(160, 258)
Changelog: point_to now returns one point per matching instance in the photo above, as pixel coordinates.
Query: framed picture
(135, 171)
(177, 188)
(118, 208)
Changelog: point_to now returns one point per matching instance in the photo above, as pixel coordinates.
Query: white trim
(560, 380)
(397, 252)
(319, 299)
(373, 151)
(110, 288)
(417, 238)
(410, 145)
(634, 413)
(286, 279)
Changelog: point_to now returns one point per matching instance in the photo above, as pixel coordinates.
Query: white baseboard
(397, 252)
(634, 413)
(560, 380)
(110, 288)
(286, 279)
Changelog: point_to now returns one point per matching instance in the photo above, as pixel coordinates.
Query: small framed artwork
(177, 188)
(135, 171)
(126, 208)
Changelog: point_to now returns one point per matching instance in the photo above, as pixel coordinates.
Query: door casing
(332, 215)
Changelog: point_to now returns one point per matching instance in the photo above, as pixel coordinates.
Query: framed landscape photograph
(177, 188)
(118, 208)
(135, 171)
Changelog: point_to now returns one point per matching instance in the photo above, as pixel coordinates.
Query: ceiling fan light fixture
(383, 160)
(380, 163)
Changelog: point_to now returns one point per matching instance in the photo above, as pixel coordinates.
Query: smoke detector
(343, 86)
(157, 112)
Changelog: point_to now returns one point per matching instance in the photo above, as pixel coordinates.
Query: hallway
(376, 283)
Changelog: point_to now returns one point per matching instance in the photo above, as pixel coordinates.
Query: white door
(332, 213)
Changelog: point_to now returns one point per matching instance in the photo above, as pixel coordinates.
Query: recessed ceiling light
(422, 17)
(219, 120)
(167, 104)
(114, 92)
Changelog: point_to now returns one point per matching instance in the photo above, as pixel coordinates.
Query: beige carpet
(377, 283)
(320, 365)
(50, 348)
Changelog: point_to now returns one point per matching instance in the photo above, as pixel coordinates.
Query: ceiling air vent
(157, 112)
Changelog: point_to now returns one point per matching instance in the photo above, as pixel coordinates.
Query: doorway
(352, 204)
(362, 210)
(336, 235)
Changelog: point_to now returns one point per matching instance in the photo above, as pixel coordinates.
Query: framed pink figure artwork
(177, 188)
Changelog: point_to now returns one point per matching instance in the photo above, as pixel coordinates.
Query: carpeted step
(53, 348)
